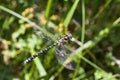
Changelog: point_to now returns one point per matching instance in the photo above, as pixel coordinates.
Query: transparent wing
(61, 54)
(41, 35)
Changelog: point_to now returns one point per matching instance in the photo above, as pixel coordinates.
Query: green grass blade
(83, 22)
(70, 13)
(40, 67)
(49, 5)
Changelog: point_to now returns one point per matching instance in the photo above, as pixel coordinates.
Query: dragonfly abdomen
(36, 55)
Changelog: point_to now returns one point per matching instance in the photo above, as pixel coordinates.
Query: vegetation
(28, 26)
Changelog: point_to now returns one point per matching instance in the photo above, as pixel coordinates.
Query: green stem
(83, 22)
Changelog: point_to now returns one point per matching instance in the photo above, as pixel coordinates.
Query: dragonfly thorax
(64, 39)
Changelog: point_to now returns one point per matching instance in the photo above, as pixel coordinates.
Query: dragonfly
(60, 52)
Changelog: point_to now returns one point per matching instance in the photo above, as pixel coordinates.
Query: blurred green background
(28, 26)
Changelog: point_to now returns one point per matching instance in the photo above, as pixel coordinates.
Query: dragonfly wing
(62, 55)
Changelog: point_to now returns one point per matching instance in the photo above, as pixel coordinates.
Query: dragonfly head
(69, 36)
